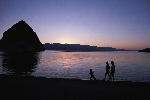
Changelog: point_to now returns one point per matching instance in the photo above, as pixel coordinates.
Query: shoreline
(41, 88)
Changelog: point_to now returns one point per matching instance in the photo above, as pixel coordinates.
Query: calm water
(130, 65)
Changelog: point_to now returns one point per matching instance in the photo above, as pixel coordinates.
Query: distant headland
(145, 50)
(77, 47)
(20, 37)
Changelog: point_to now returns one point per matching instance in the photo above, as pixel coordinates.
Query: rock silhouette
(20, 37)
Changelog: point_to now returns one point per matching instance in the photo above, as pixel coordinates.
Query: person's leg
(109, 76)
(90, 78)
(94, 78)
(105, 75)
(113, 76)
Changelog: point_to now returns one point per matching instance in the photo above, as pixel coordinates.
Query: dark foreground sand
(31, 88)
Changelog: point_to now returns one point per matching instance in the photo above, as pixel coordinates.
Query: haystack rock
(20, 37)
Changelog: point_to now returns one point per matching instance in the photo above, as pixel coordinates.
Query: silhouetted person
(107, 70)
(112, 70)
(92, 76)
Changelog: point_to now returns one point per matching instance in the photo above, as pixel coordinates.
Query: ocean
(130, 65)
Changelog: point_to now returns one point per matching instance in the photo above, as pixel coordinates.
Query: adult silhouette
(107, 70)
(112, 70)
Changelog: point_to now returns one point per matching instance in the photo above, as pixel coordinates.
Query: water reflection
(23, 63)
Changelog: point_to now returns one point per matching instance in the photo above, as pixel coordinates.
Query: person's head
(107, 62)
(112, 62)
(90, 70)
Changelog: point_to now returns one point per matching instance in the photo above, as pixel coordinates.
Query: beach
(40, 88)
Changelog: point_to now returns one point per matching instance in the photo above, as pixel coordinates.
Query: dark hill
(20, 37)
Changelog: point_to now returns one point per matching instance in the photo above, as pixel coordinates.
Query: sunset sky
(104, 23)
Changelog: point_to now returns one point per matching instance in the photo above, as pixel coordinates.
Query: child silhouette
(92, 76)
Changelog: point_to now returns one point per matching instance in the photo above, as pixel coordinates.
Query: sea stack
(20, 37)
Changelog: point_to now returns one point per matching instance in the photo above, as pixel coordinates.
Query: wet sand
(38, 88)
